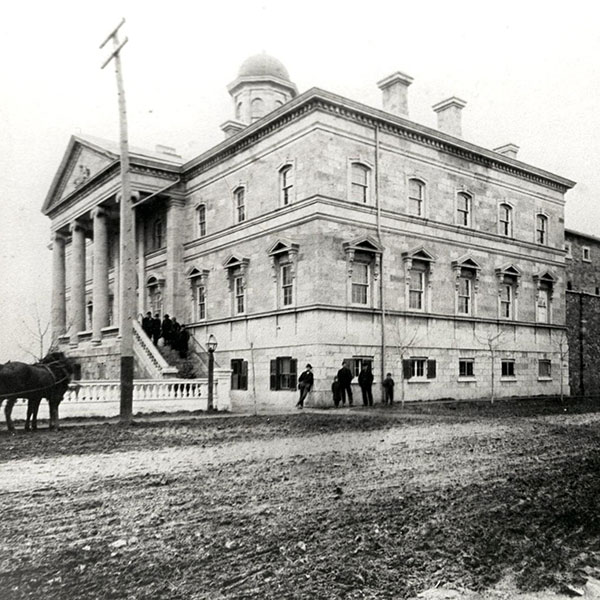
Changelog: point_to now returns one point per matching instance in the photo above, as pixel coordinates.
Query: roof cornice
(317, 99)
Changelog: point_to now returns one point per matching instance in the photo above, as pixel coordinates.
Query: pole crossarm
(112, 33)
(114, 52)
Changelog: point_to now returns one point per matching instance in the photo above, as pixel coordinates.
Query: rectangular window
(416, 197)
(568, 249)
(506, 301)
(505, 220)
(284, 371)
(543, 305)
(239, 374)
(508, 368)
(238, 284)
(585, 254)
(416, 290)
(360, 283)
(240, 204)
(419, 368)
(360, 183)
(200, 302)
(287, 285)
(356, 364)
(466, 367)
(201, 220)
(541, 231)
(545, 369)
(287, 183)
(464, 294)
(464, 210)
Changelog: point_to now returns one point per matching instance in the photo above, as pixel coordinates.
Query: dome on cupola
(261, 65)
(262, 85)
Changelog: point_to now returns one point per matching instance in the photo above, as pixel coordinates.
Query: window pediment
(155, 280)
(195, 272)
(366, 244)
(545, 276)
(466, 262)
(508, 269)
(233, 261)
(281, 247)
(419, 253)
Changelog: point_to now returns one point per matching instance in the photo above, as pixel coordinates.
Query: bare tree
(405, 340)
(492, 341)
(36, 338)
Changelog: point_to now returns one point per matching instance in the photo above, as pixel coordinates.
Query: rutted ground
(380, 505)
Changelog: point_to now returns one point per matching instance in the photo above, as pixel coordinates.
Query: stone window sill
(467, 379)
(418, 380)
(508, 379)
(544, 378)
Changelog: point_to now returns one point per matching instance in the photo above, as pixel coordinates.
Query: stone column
(174, 295)
(59, 304)
(100, 289)
(77, 281)
(141, 267)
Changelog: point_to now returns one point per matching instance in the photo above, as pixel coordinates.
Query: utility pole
(127, 240)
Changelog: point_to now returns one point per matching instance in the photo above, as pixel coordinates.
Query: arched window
(505, 220)
(238, 110)
(201, 219)
(416, 197)
(286, 175)
(157, 234)
(464, 205)
(257, 109)
(239, 196)
(541, 229)
(155, 300)
(359, 183)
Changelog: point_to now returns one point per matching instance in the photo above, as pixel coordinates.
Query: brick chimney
(509, 150)
(449, 115)
(394, 90)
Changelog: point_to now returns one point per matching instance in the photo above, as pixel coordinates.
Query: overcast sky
(529, 72)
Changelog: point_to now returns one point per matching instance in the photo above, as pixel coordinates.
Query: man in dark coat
(335, 390)
(305, 383)
(147, 324)
(183, 342)
(345, 377)
(156, 329)
(167, 330)
(365, 380)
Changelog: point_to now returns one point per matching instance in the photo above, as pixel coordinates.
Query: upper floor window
(544, 292)
(287, 183)
(541, 229)
(416, 293)
(417, 265)
(466, 270)
(363, 261)
(359, 183)
(287, 284)
(508, 286)
(201, 220)
(416, 197)
(157, 234)
(198, 280)
(240, 204)
(360, 283)
(284, 255)
(586, 254)
(568, 250)
(463, 209)
(239, 295)
(505, 220)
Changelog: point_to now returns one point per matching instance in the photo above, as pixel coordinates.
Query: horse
(49, 378)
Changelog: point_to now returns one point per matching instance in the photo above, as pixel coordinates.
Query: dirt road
(305, 506)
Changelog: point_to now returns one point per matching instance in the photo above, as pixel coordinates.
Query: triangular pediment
(282, 246)
(509, 269)
(419, 253)
(82, 162)
(366, 244)
(467, 262)
(546, 276)
(235, 261)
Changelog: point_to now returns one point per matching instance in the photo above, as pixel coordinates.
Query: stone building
(583, 311)
(323, 230)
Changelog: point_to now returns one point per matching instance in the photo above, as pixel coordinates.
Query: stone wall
(583, 327)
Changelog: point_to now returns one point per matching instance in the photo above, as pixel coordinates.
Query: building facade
(323, 230)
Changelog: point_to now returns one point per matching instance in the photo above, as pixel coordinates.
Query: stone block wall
(583, 327)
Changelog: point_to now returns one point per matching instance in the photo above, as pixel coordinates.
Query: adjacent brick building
(583, 311)
(324, 230)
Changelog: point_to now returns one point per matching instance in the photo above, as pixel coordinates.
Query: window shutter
(293, 373)
(406, 372)
(274, 378)
(431, 369)
(244, 376)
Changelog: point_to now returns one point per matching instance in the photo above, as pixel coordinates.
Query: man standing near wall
(345, 376)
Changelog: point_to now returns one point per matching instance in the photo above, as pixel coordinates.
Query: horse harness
(24, 393)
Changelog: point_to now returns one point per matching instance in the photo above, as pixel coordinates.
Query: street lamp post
(212, 346)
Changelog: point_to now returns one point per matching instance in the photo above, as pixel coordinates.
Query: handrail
(151, 352)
